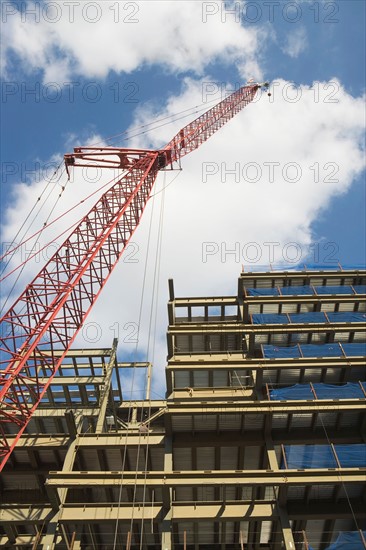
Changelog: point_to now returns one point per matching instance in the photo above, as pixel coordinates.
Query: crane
(40, 327)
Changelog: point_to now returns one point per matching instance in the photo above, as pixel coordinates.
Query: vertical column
(171, 316)
(171, 311)
(241, 314)
(166, 525)
(53, 525)
(271, 453)
(258, 382)
(105, 393)
(283, 528)
(10, 533)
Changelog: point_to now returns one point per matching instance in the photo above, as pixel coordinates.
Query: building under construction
(259, 444)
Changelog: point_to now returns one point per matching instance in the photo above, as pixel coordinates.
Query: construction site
(260, 443)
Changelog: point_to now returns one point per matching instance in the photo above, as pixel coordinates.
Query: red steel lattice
(49, 313)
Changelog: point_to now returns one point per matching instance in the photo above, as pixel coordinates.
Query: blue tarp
(316, 267)
(306, 290)
(355, 349)
(275, 352)
(347, 317)
(342, 289)
(262, 291)
(349, 540)
(326, 267)
(296, 290)
(314, 350)
(360, 289)
(269, 318)
(323, 391)
(322, 456)
(312, 317)
(304, 267)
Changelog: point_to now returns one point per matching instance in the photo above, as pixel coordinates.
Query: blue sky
(153, 59)
(35, 126)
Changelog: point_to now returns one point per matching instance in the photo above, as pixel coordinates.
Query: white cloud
(296, 42)
(312, 138)
(65, 42)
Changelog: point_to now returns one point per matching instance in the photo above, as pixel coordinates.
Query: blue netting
(269, 318)
(316, 267)
(306, 290)
(314, 350)
(296, 290)
(273, 352)
(262, 291)
(312, 317)
(322, 456)
(301, 267)
(355, 349)
(322, 391)
(344, 289)
(360, 289)
(330, 267)
(349, 540)
(346, 317)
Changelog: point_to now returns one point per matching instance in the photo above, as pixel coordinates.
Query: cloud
(91, 39)
(296, 42)
(250, 195)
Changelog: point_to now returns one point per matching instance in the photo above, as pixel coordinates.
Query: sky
(281, 184)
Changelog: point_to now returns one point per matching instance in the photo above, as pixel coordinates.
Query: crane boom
(39, 328)
(197, 132)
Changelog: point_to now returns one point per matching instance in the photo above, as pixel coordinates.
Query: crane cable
(153, 325)
(36, 242)
(9, 251)
(50, 242)
(157, 263)
(133, 377)
(153, 304)
(47, 225)
(189, 111)
(27, 218)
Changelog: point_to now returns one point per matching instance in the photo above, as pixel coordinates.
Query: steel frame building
(206, 467)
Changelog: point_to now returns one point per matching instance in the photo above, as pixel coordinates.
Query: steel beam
(106, 389)
(287, 536)
(204, 301)
(257, 437)
(90, 441)
(183, 511)
(71, 381)
(190, 406)
(26, 541)
(341, 273)
(166, 524)
(79, 353)
(39, 441)
(207, 477)
(230, 328)
(237, 360)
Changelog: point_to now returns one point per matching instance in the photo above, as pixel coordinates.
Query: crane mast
(40, 327)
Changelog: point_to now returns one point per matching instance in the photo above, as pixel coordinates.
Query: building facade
(259, 444)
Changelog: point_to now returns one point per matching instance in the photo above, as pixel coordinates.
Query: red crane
(49, 313)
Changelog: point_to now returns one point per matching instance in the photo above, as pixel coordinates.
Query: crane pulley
(40, 327)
